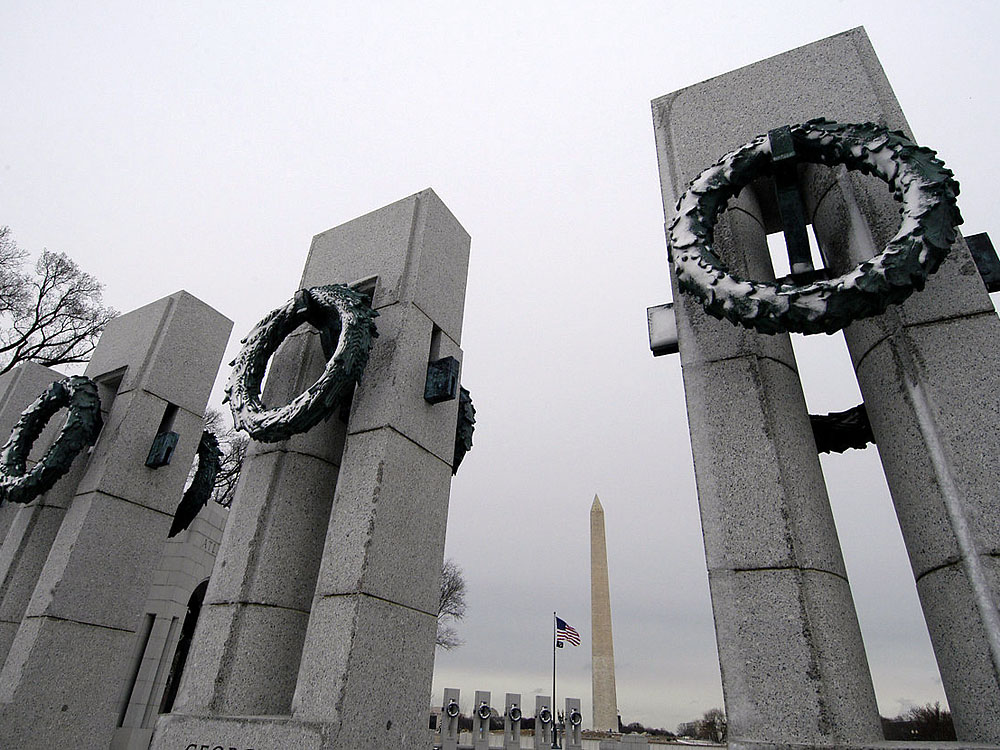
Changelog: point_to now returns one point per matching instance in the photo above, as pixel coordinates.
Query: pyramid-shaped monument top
(597, 507)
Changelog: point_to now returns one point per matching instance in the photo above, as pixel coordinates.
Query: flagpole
(554, 713)
(553, 663)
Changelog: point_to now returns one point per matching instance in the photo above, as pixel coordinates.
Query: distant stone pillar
(512, 722)
(61, 683)
(574, 725)
(481, 724)
(543, 730)
(793, 664)
(337, 536)
(449, 722)
(605, 698)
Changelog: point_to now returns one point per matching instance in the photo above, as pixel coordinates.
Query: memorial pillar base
(188, 732)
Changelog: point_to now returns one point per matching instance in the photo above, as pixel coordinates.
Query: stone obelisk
(603, 649)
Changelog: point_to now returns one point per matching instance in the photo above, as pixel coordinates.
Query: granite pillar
(543, 731)
(60, 684)
(927, 368)
(480, 724)
(793, 664)
(331, 561)
(512, 722)
(449, 723)
(929, 372)
(26, 532)
(573, 739)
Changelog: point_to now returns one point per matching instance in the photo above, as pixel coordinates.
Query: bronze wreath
(463, 431)
(341, 315)
(198, 493)
(919, 181)
(83, 423)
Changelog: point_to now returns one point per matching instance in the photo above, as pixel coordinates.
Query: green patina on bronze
(919, 180)
(466, 426)
(79, 395)
(199, 492)
(347, 330)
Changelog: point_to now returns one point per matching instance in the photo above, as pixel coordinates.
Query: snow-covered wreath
(79, 395)
(918, 180)
(341, 315)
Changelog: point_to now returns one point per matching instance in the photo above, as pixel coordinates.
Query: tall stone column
(18, 388)
(793, 664)
(929, 372)
(602, 643)
(29, 540)
(26, 532)
(62, 679)
(511, 723)
(335, 635)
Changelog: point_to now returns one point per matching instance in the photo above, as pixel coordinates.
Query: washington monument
(603, 649)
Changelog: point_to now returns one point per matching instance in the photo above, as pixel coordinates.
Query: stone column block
(384, 536)
(365, 659)
(765, 513)
(839, 78)
(927, 369)
(512, 726)
(416, 248)
(763, 503)
(400, 355)
(543, 732)
(962, 645)
(480, 726)
(368, 652)
(27, 546)
(808, 640)
(70, 656)
(573, 739)
(259, 597)
(449, 724)
(18, 388)
(932, 393)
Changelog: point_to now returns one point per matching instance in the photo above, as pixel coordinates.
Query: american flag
(566, 632)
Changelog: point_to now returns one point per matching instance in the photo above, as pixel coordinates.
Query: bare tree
(715, 725)
(711, 727)
(927, 722)
(52, 316)
(451, 605)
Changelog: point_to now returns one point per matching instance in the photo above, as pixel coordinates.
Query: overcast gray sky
(201, 145)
